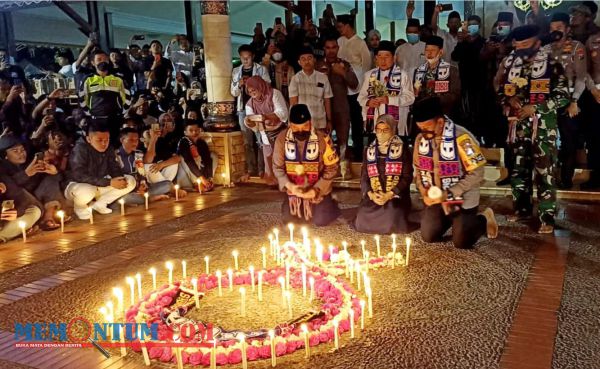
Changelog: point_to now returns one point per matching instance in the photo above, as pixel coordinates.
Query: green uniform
(542, 83)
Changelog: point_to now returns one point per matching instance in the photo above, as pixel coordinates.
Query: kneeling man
(305, 163)
(449, 169)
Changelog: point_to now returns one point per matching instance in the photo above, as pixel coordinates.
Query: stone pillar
(217, 53)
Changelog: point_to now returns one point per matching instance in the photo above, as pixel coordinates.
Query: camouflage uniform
(541, 83)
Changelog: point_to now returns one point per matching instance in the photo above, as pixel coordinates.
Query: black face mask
(556, 36)
(302, 135)
(103, 66)
(526, 54)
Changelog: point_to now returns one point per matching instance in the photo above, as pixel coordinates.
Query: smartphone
(48, 111)
(8, 205)
(278, 20)
(447, 7)
(155, 126)
(39, 156)
(156, 57)
(465, 24)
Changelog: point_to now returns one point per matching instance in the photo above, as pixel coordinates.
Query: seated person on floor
(449, 170)
(18, 206)
(196, 161)
(132, 161)
(38, 177)
(94, 173)
(305, 163)
(386, 176)
(160, 161)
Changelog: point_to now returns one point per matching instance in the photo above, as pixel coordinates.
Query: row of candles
(256, 284)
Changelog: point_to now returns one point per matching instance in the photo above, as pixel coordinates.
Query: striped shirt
(312, 91)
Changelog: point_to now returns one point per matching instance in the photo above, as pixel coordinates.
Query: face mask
(277, 56)
(503, 31)
(413, 38)
(556, 36)
(103, 66)
(527, 53)
(302, 135)
(383, 138)
(473, 29)
(433, 61)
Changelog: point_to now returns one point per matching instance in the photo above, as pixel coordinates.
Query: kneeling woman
(385, 182)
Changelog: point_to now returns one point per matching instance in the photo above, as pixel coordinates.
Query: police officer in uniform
(572, 56)
(532, 88)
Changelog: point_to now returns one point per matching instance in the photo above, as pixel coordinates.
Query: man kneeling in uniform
(449, 170)
(305, 163)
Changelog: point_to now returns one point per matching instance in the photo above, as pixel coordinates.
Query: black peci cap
(525, 32)
(436, 41)
(428, 108)
(299, 114)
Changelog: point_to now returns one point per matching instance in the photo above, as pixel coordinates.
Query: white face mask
(433, 61)
(277, 56)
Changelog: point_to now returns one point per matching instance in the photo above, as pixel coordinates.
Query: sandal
(49, 225)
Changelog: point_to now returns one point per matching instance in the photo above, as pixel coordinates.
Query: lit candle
(311, 282)
(138, 278)
(362, 314)
(287, 274)
(176, 192)
(242, 338)
(291, 228)
(305, 239)
(393, 238)
(330, 253)
(230, 276)
(271, 245)
(378, 243)
(351, 266)
(169, 266)
(199, 183)
(319, 251)
(22, 225)
(367, 254)
(362, 245)
(61, 215)
(303, 280)
(263, 250)
(225, 184)
(153, 272)
(213, 355)
(184, 269)
(251, 270)
(260, 285)
(347, 262)
(122, 203)
(235, 254)
(351, 317)
(288, 297)
(276, 233)
(131, 284)
(118, 292)
(196, 298)
(336, 334)
(394, 254)
(357, 275)
(219, 282)
(273, 356)
(243, 300)
(345, 246)
(206, 261)
(304, 329)
(91, 212)
(122, 340)
(408, 241)
(146, 197)
(282, 284)
(370, 301)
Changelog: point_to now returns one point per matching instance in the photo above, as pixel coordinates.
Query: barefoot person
(449, 169)
(305, 163)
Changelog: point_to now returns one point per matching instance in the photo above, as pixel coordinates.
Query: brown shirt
(339, 84)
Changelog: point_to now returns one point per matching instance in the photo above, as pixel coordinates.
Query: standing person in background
(355, 51)
(411, 54)
(136, 64)
(373, 38)
(183, 58)
(239, 76)
(450, 37)
(161, 69)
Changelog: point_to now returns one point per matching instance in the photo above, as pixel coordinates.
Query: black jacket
(87, 165)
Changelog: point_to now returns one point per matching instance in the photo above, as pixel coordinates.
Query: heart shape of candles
(341, 307)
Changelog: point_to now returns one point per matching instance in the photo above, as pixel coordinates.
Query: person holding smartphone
(17, 206)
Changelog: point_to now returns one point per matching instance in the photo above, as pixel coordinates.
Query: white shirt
(183, 61)
(409, 56)
(355, 51)
(403, 101)
(280, 109)
(312, 91)
(449, 45)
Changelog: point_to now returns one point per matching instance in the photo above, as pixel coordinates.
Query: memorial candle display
(146, 197)
(169, 266)
(408, 241)
(230, 277)
(91, 212)
(176, 192)
(122, 203)
(22, 225)
(263, 250)
(153, 272)
(219, 276)
(184, 269)
(61, 215)
(138, 278)
(206, 261)
(378, 244)
(235, 255)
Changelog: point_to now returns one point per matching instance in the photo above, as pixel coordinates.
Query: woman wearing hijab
(266, 115)
(385, 182)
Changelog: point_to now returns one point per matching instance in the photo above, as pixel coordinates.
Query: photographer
(17, 206)
(13, 107)
(39, 177)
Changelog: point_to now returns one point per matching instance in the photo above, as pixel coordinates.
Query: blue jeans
(154, 189)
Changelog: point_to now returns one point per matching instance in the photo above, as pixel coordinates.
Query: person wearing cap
(450, 37)
(312, 88)
(472, 73)
(532, 88)
(571, 55)
(437, 77)
(305, 163)
(19, 207)
(410, 55)
(449, 168)
(386, 89)
(39, 178)
(385, 182)
(582, 21)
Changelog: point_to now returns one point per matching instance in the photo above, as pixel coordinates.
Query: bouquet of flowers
(379, 89)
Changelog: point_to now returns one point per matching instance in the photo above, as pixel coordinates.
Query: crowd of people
(310, 100)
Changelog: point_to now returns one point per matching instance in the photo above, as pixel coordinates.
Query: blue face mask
(473, 29)
(413, 38)
(503, 31)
